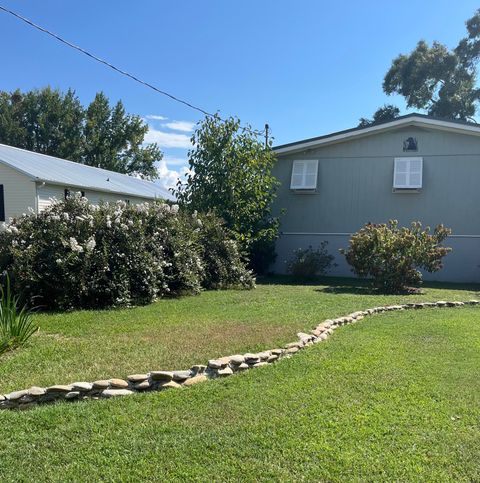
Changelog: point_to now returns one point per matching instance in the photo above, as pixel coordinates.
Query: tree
(45, 121)
(230, 175)
(113, 140)
(387, 112)
(50, 122)
(438, 79)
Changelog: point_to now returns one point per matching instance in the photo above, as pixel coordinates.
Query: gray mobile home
(412, 168)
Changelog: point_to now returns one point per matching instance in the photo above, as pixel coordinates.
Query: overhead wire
(119, 70)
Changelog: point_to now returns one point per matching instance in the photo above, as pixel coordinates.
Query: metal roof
(48, 169)
(413, 119)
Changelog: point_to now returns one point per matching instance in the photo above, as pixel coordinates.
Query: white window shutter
(400, 176)
(297, 174)
(416, 169)
(304, 174)
(311, 171)
(407, 173)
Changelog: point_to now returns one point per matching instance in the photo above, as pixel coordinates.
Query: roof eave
(367, 131)
(100, 190)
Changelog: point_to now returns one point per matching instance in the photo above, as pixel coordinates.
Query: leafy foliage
(16, 324)
(438, 79)
(388, 112)
(392, 255)
(49, 122)
(231, 177)
(76, 254)
(310, 262)
(220, 257)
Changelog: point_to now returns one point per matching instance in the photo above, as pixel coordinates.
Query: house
(412, 168)
(32, 180)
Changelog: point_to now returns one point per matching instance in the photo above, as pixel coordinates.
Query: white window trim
(408, 185)
(304, 186)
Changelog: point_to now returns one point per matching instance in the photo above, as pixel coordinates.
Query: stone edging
(225, 366)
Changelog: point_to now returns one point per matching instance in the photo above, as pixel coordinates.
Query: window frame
(303, 186)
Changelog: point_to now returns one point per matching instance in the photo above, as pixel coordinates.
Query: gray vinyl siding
(354, 186)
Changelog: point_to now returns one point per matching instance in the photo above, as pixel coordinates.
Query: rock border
(222, 367)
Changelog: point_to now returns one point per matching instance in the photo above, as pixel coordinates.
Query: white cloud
(175, 160)
(167, 139)
(168, 177)
(184, 126)
(156, 117)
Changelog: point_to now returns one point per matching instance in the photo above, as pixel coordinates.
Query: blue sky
(305, 67)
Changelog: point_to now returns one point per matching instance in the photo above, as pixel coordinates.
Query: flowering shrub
(220, 256)
(75, 254)
(309, 262)
(393, 255)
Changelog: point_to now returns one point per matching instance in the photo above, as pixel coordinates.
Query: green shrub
(16, 324)
(261, 249)
(75, 254)
(310, 262)
(392, 256)
(223, 265)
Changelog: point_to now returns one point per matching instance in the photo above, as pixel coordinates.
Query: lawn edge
(215, 368)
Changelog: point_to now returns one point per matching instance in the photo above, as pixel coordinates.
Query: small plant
(391, 256)
(16, 324)
(310, 262)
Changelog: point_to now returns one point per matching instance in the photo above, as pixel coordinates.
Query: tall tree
(45, 121)
(113, 140)
(231, 176)
(50, 122)
(438, 79)
(387, 112)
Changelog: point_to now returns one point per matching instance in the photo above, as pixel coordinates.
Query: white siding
(96, 196)
(19, 192)
(48, 192)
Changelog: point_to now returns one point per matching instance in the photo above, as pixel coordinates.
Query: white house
(32, 180)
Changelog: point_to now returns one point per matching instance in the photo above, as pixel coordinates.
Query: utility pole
(267, 127)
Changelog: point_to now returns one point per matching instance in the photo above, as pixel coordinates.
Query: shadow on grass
(350, 285)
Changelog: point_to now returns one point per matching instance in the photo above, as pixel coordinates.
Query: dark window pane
(2, 204)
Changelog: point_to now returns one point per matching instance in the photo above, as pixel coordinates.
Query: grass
(174, 334)
(394, 398)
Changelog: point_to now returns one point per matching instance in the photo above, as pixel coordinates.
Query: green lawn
(393, 398)
(174, 334)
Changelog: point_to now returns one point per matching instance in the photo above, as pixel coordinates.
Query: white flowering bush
(79, 255)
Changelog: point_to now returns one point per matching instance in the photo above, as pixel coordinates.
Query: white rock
(116, 392)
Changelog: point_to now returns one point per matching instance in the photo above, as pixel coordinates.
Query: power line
(117, 69)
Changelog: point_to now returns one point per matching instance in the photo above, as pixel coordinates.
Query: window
(2, 204)
(304, 174)
(66, 193)
(408, 173)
